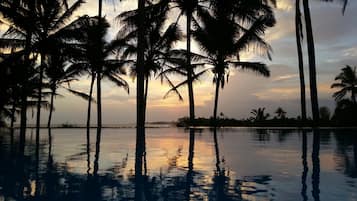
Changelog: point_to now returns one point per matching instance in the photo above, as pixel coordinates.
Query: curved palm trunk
(218, 81)
(190, 70)
(298, 30)
(51, 108)
(140, 105)
(312, 62)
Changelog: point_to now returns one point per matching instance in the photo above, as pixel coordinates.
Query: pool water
(227, 164)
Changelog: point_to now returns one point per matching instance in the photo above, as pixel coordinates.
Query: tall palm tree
(51, 18)
(299, 36)
(221, 47)
(140, 105)
(96, 52)
(20, 19)
(312, 59)
(59, 76)
(346, 81)
(159, 41)
(188, 8)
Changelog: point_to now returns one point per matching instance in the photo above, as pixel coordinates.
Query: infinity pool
(229, 164)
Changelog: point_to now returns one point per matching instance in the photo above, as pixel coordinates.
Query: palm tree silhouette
(221, 47)
(177, 66)
(140, 102)
(259, 114)
(96, 52)
(51, 18)
(58, 77)
(20, 19)
(280, 113)
(159, 40)
(312, 59)
(188, 8)
(346, 81)
(299, 37)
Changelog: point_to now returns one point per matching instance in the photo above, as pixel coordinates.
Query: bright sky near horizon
(336, 46)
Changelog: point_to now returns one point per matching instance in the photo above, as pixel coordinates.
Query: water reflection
(305, 166)
(213, 164)
(316, 165)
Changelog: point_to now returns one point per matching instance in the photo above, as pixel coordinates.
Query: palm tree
(221, 46)
(20, 19)
(96, 52)
(280, 113)
(58, 74)
(259, 114)
(140, 103)
(346, 81)
(159, 40)
(299, 36)
(188, 8)
(177, 61)
(312, 59)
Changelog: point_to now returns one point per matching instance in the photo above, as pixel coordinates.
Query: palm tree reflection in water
(305, 165)
(39, 174)
(316, 165)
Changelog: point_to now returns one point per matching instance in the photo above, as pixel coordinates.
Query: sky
(336, 46)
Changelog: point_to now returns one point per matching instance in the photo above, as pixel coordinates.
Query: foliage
(346, 81)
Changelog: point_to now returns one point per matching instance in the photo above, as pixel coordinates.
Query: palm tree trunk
(99, 88)
(38, 116)
(218, 81)
(298, 28)
(312, 62)
(146, 95)
(23, 118)
(190, 70)
(140, 105)
(88, 120)
(145, 104)
(51, 107)
(90, 106)
(99, 103)
(100, 8)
